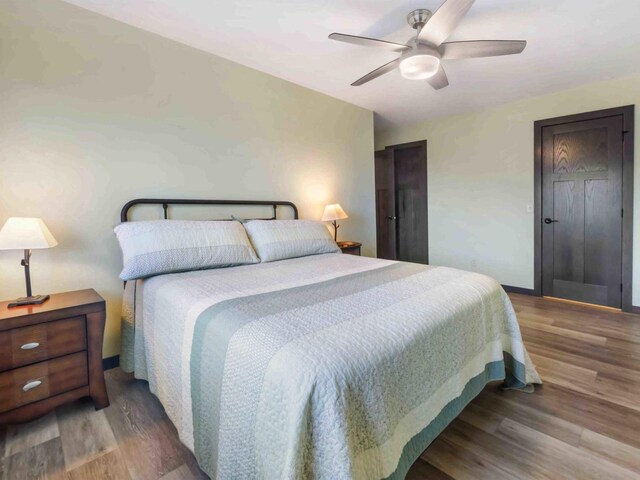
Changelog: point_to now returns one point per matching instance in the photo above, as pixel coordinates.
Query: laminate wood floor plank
(22, 437)
(44, 461)
(563, 460)
(183, 472)
(528, 315)
(570, 345)
(460, 463)
(617, 391)
(582, 360)
(564, 332)
(497, 402)
(110, 466)
(612, 450)
(614, 387)
(584, 422)
(587, 411)
(503, 454)
(559, 307)
(85, 433)
(619, 330)
(147, 439)
(422, 469)
(579, 317)
(561, 373)
(480, 417)
(626, 347)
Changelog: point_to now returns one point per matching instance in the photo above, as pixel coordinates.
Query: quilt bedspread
(330, 366)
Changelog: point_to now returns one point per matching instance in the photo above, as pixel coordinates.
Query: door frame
(380, 220)
(627, 113)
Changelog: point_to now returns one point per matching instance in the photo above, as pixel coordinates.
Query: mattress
(328, 366)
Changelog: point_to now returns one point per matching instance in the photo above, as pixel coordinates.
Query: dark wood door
(582, 210)
(385, 205)
(401, 202)
(410, 169)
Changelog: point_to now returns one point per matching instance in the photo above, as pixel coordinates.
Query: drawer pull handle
(31, 385)
(29, 346)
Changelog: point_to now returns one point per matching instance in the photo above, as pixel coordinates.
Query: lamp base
(32, 300)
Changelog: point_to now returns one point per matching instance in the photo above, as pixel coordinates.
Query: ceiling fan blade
(369, 42)
(481, 48)
(386, 68)
(439, 80)
(444, 21)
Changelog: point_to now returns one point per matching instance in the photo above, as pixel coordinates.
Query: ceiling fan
(421, 56)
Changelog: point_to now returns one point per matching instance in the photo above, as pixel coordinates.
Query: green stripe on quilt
(215, 327)
(128, 330)
(515, 376)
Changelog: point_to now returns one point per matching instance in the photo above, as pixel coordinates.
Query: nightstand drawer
(42, 380)
(22, 346)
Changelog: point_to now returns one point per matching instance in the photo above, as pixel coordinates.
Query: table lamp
(333, 213)
(27, 234)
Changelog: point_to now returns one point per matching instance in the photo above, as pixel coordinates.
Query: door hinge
(623, 133)
(620, 288)
(622, 212)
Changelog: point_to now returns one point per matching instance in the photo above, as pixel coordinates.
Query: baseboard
(111, 362)
(520, 290)
(635, 309)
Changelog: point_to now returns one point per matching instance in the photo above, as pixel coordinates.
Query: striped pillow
(169, 246)
(280, 239)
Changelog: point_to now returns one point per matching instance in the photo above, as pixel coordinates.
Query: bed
(326, 366)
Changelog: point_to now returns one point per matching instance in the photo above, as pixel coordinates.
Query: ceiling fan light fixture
(421, 55)
(419, 66)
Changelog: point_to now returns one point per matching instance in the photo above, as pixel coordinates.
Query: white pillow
(169, 246)
(280, 239)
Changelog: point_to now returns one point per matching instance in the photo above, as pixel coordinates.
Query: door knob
(391, 218)
(548, 221)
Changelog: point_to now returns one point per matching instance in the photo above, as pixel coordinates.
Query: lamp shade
(333, 212)
(21, 233)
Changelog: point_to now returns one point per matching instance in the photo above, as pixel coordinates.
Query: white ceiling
(570, 42)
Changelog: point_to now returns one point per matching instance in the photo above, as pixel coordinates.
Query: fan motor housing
(418, 18)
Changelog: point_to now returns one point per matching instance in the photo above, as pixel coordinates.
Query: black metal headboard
(166, 202)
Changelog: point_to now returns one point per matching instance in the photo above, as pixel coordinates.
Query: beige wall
(94, 113)
(481, 179)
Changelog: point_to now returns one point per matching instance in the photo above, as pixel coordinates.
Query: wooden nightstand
(51, 354)
(350, 248)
